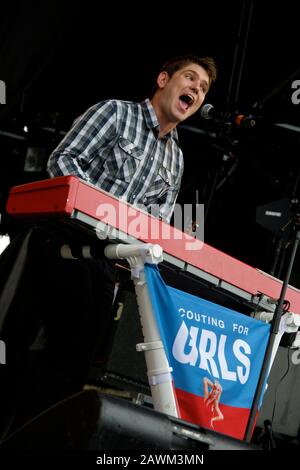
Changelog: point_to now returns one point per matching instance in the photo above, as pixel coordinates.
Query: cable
(260, 297)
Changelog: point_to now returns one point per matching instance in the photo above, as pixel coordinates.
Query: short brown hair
(177, 63)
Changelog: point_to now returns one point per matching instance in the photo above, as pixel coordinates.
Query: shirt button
(151, 159)
(144, 177)
(133, 197)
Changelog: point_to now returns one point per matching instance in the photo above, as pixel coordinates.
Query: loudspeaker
(122, 365)
(281, 400)
(90, 420)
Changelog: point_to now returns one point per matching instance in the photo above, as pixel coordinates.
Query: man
(131, 151)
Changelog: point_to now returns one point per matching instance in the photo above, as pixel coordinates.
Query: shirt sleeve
(90, 133)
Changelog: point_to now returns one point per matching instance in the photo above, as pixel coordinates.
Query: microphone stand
(228, 151)
(273, 332)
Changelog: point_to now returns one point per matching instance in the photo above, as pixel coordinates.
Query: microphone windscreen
(206, 111)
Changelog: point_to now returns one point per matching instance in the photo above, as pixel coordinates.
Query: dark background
(57, 58)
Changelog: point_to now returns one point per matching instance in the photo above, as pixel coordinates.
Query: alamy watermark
(296, 93)
(122, 222)
(2, 352)
(2, 92)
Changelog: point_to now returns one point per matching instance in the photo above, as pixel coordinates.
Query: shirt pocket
(163, 182)
(130, 157)
(167, 178)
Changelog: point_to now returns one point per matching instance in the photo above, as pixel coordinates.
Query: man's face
(184, 92)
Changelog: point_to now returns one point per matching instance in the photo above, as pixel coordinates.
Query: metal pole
(158, 369)
(274, 331)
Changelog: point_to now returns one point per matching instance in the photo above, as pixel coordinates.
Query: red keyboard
(69, 200)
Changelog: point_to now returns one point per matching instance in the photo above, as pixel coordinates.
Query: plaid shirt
(115, 146)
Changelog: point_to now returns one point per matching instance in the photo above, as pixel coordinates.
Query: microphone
(208, 111)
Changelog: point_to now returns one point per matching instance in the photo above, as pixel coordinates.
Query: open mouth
(188, 100)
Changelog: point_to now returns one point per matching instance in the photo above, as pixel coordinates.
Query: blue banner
(214, 351)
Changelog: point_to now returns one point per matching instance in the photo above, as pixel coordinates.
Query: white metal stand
(289, 323)
(158, 369)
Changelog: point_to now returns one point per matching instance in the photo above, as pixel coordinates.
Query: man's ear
(162, 79)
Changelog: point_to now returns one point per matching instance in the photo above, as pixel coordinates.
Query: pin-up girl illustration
(212, 395)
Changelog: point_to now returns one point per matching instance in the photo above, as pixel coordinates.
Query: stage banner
(216, 354)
